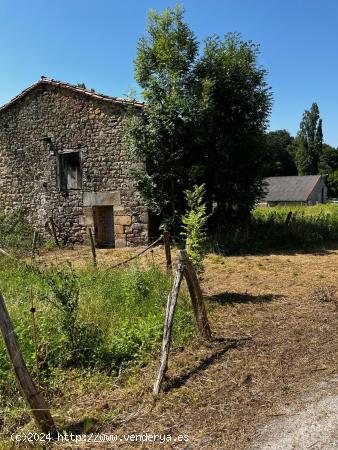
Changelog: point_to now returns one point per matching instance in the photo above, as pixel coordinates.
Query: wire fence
(126, 261)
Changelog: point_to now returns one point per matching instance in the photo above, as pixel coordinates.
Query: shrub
(80, 341)
(15, 233)
(193, 224)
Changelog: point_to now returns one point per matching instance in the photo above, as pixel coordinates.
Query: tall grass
(90, 319)
(15, 233)
(310, 226)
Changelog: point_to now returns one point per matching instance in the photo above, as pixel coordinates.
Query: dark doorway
(104, 226)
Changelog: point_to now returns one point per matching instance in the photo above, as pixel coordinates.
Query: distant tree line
(305, 154)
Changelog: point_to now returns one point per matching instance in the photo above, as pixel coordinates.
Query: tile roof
(290, 189)
(50, 81)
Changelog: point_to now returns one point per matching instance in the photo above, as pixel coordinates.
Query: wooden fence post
(35, 237)
(52, 223)
(166, 240)
(195, 294)
(33, 397)
(288, 218)
(168, 323)
(92, 245)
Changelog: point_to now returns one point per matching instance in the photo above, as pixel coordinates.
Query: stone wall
(29, 172)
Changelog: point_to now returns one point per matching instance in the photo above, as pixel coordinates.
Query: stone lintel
(112, 198)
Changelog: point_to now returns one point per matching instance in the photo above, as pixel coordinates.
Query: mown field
(99, 334)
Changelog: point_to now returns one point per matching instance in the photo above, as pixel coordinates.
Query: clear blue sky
(95, 42)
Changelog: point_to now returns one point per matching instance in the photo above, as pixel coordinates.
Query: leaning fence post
(92, 245)
(33, 397)
(168, 323)
(195, 294)
(52, 223)
(166, 240)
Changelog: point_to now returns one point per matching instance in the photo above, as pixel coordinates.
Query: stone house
(302, 190)
(62, 156)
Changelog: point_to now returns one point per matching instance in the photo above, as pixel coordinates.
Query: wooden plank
(92, 245)
(52, 223)
(168, 323)
(33, 397)
(195, 294)
(166, 240)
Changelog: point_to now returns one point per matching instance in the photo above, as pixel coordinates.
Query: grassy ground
(91, 325)
(273, 336)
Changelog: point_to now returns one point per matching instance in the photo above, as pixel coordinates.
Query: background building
(308, 189)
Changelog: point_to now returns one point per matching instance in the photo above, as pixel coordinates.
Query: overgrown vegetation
(194, 225)
(15, 232)
(205, 122)
(310, 226)
(97, 320)
(16, 235)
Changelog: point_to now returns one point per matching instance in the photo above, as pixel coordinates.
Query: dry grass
(326, 294)
(271, 343)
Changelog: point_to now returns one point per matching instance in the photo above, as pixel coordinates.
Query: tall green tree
(309, 142)
(162, 135)
(235, 104)
(280, 160)
(332, 184)
(328, 160)
(204, 122)
(328, 166)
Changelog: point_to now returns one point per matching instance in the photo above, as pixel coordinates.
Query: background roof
(295, 188)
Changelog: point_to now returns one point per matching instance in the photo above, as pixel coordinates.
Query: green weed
(99, 320)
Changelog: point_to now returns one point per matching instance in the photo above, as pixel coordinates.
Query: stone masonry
(62, 156)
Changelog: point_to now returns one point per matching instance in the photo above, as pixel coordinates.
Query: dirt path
(310, 424)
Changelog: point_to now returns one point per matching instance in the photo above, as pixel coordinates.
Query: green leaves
(15, 233)
(204, 122)
(165, 55)
(280, 160)
(332, 184)
(193, 224)
(309, 142)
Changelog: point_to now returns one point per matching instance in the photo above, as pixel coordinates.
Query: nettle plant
(194, 225)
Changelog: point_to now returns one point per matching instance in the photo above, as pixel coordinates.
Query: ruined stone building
(62, 156)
